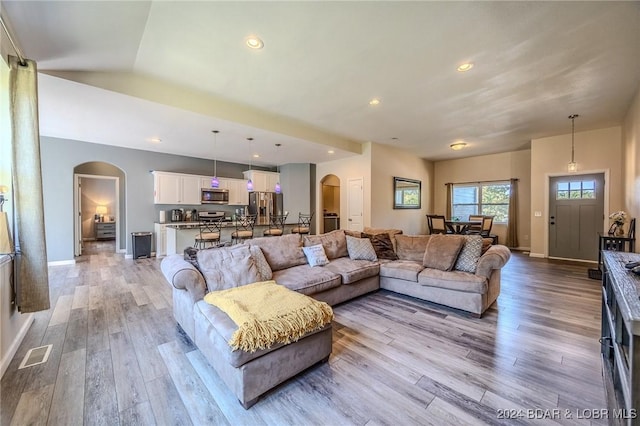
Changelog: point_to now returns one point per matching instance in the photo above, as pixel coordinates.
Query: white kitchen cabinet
(205, 182)
(262, 181)
(238, 194)
(176, 188)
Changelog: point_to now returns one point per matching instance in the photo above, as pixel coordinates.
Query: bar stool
(276, 225)
(209, 234)
(304, 224)
(244, 228)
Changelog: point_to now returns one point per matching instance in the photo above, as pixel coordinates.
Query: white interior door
(355, 205)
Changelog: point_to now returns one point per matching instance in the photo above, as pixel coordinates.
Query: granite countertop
(230, 224)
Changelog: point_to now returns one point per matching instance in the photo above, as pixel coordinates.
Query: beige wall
(358, 166)
(387, 162)
(504, 166)
(630, 160)
(595, 151)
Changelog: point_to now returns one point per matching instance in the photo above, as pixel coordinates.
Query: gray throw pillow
(261, 263)
(469, 255)
(360, 249)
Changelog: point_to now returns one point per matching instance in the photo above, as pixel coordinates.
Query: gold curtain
(447, 208)
(512, 228)
(32, 279)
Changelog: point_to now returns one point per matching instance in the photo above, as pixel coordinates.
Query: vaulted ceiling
(122, 73)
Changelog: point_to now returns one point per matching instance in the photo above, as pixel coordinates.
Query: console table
(620, 342)
(105, 230)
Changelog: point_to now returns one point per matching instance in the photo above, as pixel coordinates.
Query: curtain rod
(15, 48)
(484, 181)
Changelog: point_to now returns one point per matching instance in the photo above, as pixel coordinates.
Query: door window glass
(576, 190)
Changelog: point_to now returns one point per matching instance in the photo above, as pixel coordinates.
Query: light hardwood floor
(119, 358)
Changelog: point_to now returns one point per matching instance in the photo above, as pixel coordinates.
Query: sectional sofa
(468, 278)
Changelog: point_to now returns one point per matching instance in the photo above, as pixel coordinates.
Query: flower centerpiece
(619, 218)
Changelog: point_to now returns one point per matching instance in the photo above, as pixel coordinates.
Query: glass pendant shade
(572, 167)
(278, 189)
(249, 185)
(215, 183)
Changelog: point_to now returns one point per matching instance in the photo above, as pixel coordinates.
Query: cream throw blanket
(268, 313)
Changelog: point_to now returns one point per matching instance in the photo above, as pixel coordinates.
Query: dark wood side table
(613, 243)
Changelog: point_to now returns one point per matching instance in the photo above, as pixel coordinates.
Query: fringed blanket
(267, 313)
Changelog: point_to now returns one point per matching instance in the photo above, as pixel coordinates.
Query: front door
(576, 215)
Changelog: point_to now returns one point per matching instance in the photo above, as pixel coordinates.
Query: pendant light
(215, 183)
(278, 189)
(250, 182)
(572, 167)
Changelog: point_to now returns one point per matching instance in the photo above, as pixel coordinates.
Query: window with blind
(488, 199)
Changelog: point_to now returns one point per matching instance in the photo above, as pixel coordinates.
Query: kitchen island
(181, 235)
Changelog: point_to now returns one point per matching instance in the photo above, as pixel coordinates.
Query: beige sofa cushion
(352, 271)
(306, 279)
(411, 247)
(402, 269)
(228, 267)
(334, 243)
(442, 251)
(453, 280)
(281, 252)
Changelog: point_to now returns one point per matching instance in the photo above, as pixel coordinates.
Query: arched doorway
(330, 203)
(98, 205)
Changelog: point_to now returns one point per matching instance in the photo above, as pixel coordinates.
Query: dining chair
(436, 224)
(304, 224)
(475, 229)
(487, 224)
(276, 225)
(209, 234)
(244, 228)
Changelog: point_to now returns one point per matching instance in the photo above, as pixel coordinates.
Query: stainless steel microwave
(214, 196)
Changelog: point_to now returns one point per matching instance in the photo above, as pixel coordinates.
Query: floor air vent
(36, 356)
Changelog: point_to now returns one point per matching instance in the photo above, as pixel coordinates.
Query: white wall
(387, 162)
(345, 169)
(504, 166)
(595, 151)
(631, 160)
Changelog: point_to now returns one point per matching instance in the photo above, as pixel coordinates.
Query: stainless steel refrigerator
(265, 204)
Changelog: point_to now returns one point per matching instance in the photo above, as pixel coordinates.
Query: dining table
(461, 226)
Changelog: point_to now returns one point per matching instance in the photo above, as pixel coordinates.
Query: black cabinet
(620, 341)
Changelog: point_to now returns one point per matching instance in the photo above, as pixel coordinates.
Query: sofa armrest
(495, 258)
(183, 276)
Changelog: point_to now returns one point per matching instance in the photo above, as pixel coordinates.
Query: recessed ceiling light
(457, 146)
(331, 151)
(374, 101)
(254, 42)
(465, 67)
(155, 140)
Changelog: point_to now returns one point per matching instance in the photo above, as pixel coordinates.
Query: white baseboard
(573, 260)
(122, 251)
(541, 255)
(6, 359)
(128, 256)
(62, 262)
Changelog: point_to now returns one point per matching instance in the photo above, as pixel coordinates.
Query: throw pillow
(261, 263)
(442, 251)
(315, 255)
(382, 245)
(190, 255)
(470, 253)
(356, 234)
(361, 249)
(228, 267)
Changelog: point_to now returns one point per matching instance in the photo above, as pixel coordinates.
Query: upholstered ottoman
(250, 374)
